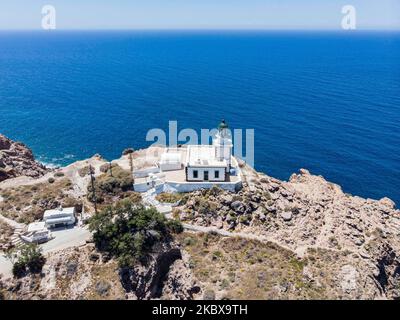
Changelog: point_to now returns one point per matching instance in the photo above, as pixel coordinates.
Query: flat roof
(171, 158)
(37, 226)
(54, 212)
(59, 220)
(203, 156)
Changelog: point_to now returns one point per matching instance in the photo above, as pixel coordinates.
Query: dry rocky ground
(311, 241)
(317, 221)
(26, 204)
(6, 231)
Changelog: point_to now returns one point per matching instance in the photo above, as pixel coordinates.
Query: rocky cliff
(16, 160)
(313, 218)
(298, 239)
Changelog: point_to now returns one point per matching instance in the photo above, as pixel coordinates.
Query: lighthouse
(223, 144)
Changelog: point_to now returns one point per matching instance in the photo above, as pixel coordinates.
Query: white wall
(211, 174)
(142, 187)
(192, 186)
(170, 166)
(145, 172)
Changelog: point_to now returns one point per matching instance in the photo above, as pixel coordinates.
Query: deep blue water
(329, 102)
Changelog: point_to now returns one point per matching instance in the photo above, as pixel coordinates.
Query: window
(195, 174)
(216, 174)
(205, 175)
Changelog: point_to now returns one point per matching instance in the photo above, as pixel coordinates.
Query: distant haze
(200, 14)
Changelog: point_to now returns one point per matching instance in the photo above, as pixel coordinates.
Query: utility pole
(91, 171)
(111, 169)
(131, 162)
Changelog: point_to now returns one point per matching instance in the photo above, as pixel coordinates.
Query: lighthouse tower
(223, 144)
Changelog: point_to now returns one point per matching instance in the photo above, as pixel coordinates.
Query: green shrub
(209, 294)
(169, 197)
(189, 241)
(175, 226)
(215, 190)
(106, 167)
(59, 174)
(51, 180)
(128, 151)
(205, 207)
(28, 258)
(111, 185)
(128, 231)
(134, 197)
(84, 171)
(19, 269)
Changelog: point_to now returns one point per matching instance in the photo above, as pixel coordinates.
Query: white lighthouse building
(211, 162)
(193, 167)
(223, 144)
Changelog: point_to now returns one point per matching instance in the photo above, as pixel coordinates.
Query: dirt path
(225, 233)
(24, 181)
(12, 223)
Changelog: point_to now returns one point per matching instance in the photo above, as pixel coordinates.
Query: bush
(59, 174)
(175, 226)
(106, 167)
(128, 231)
(188, 241)
(215, 190)
(84, 171)
(205, 207)
(19, 269)
(128, 151)
(111, 185)
(169, 197)
(209, 294)
(51, 180)
(29, 258)
(134, 197)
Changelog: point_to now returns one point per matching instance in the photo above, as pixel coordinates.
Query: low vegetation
(26, 259)
(83, 172)
(26, 204)
(169, 197)
(6, 231)
(237, 268)
(128, 231)
(110, 185)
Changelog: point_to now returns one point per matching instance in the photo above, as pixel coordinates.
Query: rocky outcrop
(165, 275)
(16, 159)
(308, 212)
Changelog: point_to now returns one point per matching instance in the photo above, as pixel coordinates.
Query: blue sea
(325, 101)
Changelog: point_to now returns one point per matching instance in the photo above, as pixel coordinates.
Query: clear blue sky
(200, 14)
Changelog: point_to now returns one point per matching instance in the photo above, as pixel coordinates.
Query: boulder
(304, 171)
(238, 207)
(94, 257)
(226, 199)
(286, 215)
(386, 202)
(103, 287)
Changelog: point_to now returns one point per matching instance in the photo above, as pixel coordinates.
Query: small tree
(128, 231)
(27, 258)
(33, 257)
